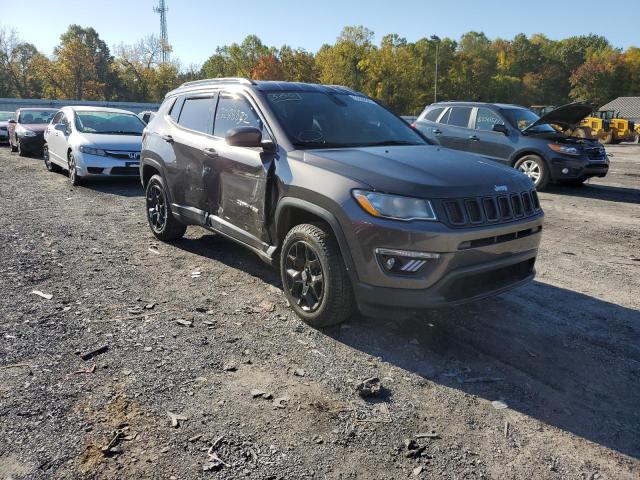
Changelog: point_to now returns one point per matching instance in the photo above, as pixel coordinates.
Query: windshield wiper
(117, 132)
(321, 145)
(389, 143)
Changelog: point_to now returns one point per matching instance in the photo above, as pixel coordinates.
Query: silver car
(4, 118)
(93, 142)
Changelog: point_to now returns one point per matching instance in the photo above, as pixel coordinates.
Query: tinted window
(197, 114)
(459, 116)
(175, 108)
(4, 116)
(57, 118)
(36, 116)
(108, 123)
(234, 111)
(433, 115)
(486, 119)
(326, 120)
(522, 118)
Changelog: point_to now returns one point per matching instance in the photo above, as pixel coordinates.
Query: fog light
(404, 261)
(565, 171)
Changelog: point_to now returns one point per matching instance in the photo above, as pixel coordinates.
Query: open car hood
(565, 116)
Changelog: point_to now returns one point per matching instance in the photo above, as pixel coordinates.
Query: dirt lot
(562, 353)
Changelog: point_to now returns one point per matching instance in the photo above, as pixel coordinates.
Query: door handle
(210, 152)
(437, 131)
(167, 138)
(474, 138)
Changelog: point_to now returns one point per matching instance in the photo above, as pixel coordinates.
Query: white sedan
(93, 142)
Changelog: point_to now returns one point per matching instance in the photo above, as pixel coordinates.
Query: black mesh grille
(125, 171)
(487, 210)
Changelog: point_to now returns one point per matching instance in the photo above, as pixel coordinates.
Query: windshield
(109, 123)
(36, 116)
(521, 118)
(328, 120)
(4, 116)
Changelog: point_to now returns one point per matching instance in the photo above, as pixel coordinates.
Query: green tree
(344, 63)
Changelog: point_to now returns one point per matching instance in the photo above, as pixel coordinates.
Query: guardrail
(12, 104)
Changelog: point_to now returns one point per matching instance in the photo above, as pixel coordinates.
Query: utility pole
(436, 39)
(164, 38)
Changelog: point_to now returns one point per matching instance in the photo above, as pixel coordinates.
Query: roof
(629, 107)
(23, 109)
(263, 86)
(477, 104)
(88, 108)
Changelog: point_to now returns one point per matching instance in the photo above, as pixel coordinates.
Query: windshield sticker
(358, 98)
(284, 97)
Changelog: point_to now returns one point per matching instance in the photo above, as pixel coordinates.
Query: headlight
(395, 207)
(564, 149)
(24, 132)
(92, 151)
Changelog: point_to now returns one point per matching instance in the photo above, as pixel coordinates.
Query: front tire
(76, 180)
(161, 221)
(314, 277)
(21, 151)
(536, 169)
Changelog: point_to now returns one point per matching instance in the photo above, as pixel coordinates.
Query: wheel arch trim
(324, 214)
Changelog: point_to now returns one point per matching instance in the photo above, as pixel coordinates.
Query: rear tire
(163, 224)
(314, 277)
(52, 167)
(607, 139)
(536, 169)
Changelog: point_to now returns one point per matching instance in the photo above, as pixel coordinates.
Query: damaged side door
(241, 193)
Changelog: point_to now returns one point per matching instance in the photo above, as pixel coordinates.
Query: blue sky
(196, 28)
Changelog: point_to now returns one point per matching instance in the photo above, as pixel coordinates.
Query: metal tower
(164, 38)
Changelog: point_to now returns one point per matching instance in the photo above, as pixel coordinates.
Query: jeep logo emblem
(134, 155)
(500, 188)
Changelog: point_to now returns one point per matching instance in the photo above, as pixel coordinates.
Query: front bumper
(578, 168)
(31, 144)
(462, 285)
(471, 263)
(98, 166)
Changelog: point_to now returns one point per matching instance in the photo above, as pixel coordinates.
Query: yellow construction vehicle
(622, 129)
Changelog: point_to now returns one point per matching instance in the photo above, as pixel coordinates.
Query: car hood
(565, 116)
(112, 142)
(35, 127)
(425, 171)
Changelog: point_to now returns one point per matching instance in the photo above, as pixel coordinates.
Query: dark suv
(517, 137)
(356, 207)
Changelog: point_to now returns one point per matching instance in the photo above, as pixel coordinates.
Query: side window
(56, 118)
(459, 116)
(196, 114)
(486, 119)
(64, 120)
(445, 117)
(432, 115)
(175, 109)
(234, 111)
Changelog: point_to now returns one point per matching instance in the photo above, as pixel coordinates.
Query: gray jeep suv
(358, 209)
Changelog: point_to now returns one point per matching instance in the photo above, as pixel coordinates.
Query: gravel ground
(255, 393)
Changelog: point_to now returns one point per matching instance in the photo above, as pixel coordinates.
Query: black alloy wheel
(305, 278)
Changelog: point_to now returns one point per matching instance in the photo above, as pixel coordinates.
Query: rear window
(197, 114)
(433, 114)
(459, 116)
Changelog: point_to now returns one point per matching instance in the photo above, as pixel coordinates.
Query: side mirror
(60, 127)
(244, 137)
(499, 127)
